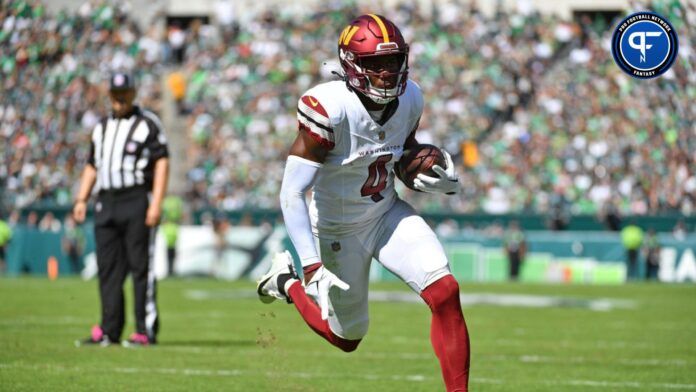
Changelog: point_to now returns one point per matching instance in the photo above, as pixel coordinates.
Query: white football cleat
(274, 283)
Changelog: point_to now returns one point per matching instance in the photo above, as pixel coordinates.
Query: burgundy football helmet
(361, 48)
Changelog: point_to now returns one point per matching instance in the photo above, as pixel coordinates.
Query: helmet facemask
(390, 64)
(389, 73)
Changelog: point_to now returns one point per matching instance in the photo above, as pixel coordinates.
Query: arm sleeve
(313, 118)
(156, 140)
(298, 178)
(92, 151)
(90, 158)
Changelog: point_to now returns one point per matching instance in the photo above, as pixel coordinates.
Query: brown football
(419, 159)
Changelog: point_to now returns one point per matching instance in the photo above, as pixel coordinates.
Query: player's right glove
(446, 181)
(319, 286)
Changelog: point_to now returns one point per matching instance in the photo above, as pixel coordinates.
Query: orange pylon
(52, 268)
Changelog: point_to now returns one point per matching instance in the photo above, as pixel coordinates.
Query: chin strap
(378, 99)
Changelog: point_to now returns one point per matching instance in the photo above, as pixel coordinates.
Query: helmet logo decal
(382, 27)
(343, 34)
(347, 34)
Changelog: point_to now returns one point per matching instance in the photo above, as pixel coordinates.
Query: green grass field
(218, 336)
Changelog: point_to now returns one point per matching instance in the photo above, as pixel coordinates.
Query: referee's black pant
(125, 244)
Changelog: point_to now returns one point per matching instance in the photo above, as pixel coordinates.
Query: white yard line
(213, 372)
(583, 343)
(623, 384)
(411, 356)
(370, 377)
(467, 299)
(621, 361)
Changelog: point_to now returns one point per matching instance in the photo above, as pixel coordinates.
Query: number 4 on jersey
(376, 178)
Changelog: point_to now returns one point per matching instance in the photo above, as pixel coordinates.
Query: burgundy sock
(448, 332)
(311, 314)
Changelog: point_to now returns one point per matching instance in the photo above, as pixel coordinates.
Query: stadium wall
(528, 221)
(245, 252)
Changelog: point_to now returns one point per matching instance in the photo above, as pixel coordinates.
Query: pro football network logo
(644, 45)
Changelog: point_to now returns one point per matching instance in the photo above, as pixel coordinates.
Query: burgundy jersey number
(376, 178)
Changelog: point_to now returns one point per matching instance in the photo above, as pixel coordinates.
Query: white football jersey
(355, 185)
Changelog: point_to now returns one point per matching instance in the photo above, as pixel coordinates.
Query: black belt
(124, 191)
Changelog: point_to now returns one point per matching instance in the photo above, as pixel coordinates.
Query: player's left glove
(446, 181)
(319, 286)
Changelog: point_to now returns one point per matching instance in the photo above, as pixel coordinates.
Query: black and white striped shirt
(124, 150)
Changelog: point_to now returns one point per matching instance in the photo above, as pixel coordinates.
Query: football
(419, 159)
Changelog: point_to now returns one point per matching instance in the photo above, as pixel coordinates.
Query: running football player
(351, 134)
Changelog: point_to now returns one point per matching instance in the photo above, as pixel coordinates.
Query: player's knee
(351, 336)
(442, 293)
(356, 331)
(348, 346)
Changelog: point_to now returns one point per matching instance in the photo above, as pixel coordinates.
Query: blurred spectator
(49, 223)
(632, 239)
(447, 228)
(679, 230)
(177, 86)
(495, 229)
(652, 255)
(14, 218)
(73, 243)
(515, 247)
(177, 42)
(32, 220)
(224, 13)
(611, 216)
(50, 72)
(5, 238)
(221, 225)
(173, 208)
(172, 213)
(170, 230)
(559, 212)
(550, 114)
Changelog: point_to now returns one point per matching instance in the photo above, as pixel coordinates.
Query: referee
(129, 163)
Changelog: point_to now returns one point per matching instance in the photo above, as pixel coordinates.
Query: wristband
(311, 268)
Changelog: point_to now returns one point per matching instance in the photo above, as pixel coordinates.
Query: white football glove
(319, 286)
(446, 181)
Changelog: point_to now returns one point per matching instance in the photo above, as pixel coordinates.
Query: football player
(351, 133)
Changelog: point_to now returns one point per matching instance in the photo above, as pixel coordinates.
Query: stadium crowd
(554, 120)
(52, 70)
